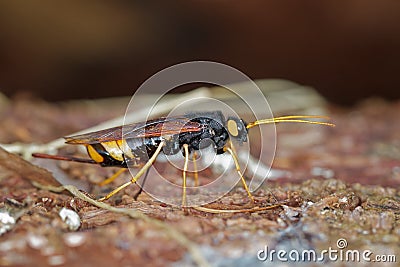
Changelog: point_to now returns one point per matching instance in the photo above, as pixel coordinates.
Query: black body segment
(213, 129)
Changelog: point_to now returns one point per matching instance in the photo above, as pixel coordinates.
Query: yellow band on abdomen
(94, 154)
(113, 149)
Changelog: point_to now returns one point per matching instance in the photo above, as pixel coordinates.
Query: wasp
(139, 144)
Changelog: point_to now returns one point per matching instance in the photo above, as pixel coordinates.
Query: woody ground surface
(341, 182)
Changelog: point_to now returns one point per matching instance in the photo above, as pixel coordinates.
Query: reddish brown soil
(343, 183)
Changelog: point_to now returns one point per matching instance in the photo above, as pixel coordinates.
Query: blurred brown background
(59, 50)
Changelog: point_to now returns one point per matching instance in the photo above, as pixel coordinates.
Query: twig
(255, 209)
(172, 232)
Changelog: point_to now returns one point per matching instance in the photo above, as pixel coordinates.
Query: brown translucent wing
(151, 128)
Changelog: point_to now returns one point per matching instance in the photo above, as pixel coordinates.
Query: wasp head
(237, 129)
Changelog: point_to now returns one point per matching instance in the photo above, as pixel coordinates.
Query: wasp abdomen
(104, 157)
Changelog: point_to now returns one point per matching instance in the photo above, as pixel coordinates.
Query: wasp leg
(196, 174)
(112, 178)
(137, 176)
(235, 159)
(185, 167)
(141, 187)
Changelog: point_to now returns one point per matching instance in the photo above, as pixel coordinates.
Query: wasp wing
(150, 128)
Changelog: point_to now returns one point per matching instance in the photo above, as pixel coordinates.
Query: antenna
(293, 118)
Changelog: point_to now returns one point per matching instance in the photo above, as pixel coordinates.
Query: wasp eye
(232, 128)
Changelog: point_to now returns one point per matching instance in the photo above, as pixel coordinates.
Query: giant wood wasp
(141, 143)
